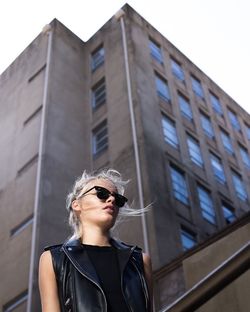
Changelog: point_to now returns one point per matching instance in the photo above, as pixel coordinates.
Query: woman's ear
(76, 205)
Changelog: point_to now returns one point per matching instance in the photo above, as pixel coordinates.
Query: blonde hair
(80, 186)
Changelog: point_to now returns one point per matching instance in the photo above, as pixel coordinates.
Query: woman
(93, 271)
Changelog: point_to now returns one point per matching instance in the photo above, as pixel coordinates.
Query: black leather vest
(78, 285)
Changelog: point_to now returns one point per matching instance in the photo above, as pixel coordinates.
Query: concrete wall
(64, 156)
(20, 116)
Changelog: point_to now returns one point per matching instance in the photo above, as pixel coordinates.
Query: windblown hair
(79, 187)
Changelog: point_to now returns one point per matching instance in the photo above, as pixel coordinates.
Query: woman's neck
(95, 237)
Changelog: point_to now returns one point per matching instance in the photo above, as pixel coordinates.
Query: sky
(213, 34)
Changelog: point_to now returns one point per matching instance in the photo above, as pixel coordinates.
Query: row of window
(180, 192)
(177, 71)
(99, 93)
(170, 136)
(188, 237)
(164, 93)
(100, 143)
(99, 97)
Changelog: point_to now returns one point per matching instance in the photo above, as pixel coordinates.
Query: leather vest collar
(79, 258)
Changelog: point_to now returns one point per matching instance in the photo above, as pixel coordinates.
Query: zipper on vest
(106, 305)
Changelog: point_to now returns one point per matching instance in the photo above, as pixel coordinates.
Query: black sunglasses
(103, 193)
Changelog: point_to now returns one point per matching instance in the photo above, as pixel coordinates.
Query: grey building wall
(64, 155)
(21, 100)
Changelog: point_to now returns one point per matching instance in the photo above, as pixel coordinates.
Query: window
(179, 185)
(228, 213)
(13, 304)
(226, 141)
(207, 126)
(194, 151)
(234, 120)
(216, 104)
(100, 138)
(33, 115)
(25, 223)
(97, 58)
(185, 107)
(155, 51)
(248, 132)
(197, 88)
(245, 156)
(98, 94)
(217, 168)
(169, 131)
(239, 186)
(206, 205)
(162, 88)
(188, 239)
(32, 161)
(177, 70)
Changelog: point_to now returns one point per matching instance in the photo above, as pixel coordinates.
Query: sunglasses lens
(103, 193)
(120, 200)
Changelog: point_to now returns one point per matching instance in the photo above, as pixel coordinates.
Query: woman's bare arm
(149, 276)
(47, 284)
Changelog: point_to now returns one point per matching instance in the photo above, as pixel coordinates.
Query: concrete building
(127, 99)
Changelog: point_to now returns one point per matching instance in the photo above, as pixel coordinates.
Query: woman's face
(94, 211)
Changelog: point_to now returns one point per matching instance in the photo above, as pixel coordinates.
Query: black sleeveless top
(105, 262)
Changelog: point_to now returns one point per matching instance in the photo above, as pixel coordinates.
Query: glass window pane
(197, 88)
(216, 104)
(177, 70)
(169, 131)
(207, 126)
(97, 58)
(155, 51)
(226, 141)
(234, 120)
(218, 169)
(179, 185)
(228, 213)
(248, 132)
(194, 151)
(245, 156)
(99, 94)
(162, 88)
(100, 138)
(185, 107)
(188, 239)
(239, 186)
(206, 205)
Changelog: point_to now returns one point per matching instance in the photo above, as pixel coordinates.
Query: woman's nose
(111, 199)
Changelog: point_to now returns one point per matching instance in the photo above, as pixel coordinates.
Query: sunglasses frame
(118, 197)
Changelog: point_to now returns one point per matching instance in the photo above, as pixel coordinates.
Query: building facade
(126, 99)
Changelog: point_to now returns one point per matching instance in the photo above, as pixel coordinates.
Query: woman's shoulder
(53, 247)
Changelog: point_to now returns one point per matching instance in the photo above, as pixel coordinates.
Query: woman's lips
(109, 208)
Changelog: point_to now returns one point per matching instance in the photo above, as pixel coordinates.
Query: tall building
(127, 99)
